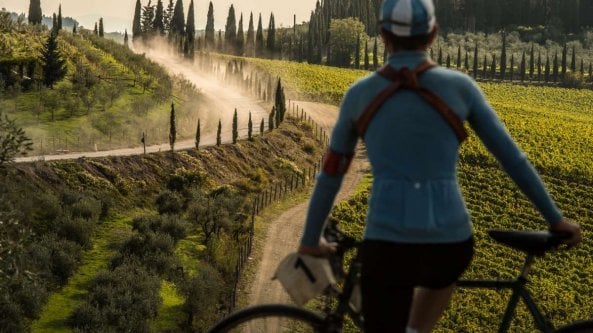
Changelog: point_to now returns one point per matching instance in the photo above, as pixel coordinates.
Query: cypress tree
(167, 16)
(555, 67)
(357, 53)
(190, 30)
(74, 29)
(261, 127)
(158, 25)
(475, 72)
(448, 62)
(136, 25)
(235, 127)
(178, 20)
(493, 67)
(147, 19)
(35, 14)
(484, 66)
(271, 118)
(220, 45)
(172, 128)
(101, 30)
(573, 62)
(512, 70)
(250, 128)
(440, 58)
(219, 133)
(366, 55)
(280, 102)
(458, 57)
(96, 30)
(259, 38)
(60, 17)
(198, 134)
(209, 37)
(539, 65)
(240, 38)
(375, 55)
(271, 38)
(523, 67)
(230, 32)
(250, 43)
(54, 25)
(503, 56)
(582, 68)
(53, 65)
(466, 61)
(547, 68)
(564, 51)
(126, 43)
(531, 62)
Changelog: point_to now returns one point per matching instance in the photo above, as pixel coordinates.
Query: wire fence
(275, 193)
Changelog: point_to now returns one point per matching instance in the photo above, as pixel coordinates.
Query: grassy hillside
(108, 97)
(125, 190)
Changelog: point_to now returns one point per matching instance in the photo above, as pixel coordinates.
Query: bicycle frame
(519, 292)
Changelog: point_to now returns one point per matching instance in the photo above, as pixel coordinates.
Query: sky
(118, 14)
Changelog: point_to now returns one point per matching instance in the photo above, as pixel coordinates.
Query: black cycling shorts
(391, 271)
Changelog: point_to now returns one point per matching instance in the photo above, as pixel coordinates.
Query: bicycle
(281, 317)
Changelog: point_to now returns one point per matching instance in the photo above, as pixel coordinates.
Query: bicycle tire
(275, 317)
(584, 326)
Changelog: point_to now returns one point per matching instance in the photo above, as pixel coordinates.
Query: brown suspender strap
(406, 79)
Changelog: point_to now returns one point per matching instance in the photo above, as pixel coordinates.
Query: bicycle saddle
(531, 242)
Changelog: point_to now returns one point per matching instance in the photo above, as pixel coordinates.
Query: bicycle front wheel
(585, 326)
(271, 318)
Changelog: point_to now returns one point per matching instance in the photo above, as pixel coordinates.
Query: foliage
(35, 12)
(13, 140)
(121, 300)
(344, 34)
(172, 128)
(203, 294)
(54, 66)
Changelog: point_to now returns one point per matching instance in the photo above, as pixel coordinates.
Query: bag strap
(407, 79)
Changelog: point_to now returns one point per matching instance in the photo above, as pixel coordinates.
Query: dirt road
(285, 231)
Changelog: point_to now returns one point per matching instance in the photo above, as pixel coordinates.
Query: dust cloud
(219, 99)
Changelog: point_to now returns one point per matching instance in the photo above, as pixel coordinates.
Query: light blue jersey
(415, 197)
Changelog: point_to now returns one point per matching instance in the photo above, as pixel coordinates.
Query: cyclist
(418, 237)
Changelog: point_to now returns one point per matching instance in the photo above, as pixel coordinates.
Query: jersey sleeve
(490, 129)
(342, 141)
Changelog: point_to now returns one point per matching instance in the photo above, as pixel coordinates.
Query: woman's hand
(322, 250)
(569, 227)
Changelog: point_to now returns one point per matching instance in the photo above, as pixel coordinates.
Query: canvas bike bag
(408, 79)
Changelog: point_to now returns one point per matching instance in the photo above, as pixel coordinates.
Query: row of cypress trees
(156, 20)
(530, 67)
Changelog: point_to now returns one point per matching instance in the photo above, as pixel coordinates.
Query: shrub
(77, 230)
(169, 202)
(87, 208)
(123, 300)
(204, 293)
(572, 80)
(153, 250)
(309, 148)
